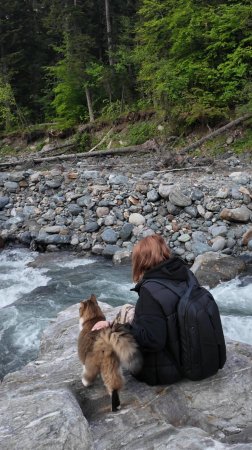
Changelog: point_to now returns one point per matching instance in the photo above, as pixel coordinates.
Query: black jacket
(158, 340)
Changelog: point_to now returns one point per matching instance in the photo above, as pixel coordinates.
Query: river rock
(218, 243)
(178, 198)
(153, 195)
(45, 405)
(55, 239)
(4, 201)
(165, 190)
(136, 219)
(241, 214)
(109, 236)
(247, 236)
(211, 268)
(102, 211)
(11, 186)
(126, 231)
(55, 182)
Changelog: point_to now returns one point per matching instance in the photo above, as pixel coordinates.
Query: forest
(77, 61)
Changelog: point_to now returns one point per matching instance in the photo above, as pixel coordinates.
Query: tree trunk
(215, 133)
(109, 35)
(89, 104)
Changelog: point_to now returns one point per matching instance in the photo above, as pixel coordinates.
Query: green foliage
(244, 144)
(83, 141)
(190, 59)
(195, 57)
(7, 106)
(139, 133)
(7, 150)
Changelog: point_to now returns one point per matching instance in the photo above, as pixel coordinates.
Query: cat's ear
(93, 298)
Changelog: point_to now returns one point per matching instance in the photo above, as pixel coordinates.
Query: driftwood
(146, 147)
(101, 142)
(214, 133)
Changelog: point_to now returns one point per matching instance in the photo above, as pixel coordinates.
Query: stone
(110, 250)
(85, 200)
(192, 211)
(89, 175)
(74, 209)
(102, 211)
(247, 236)
(4, 201)
(173, 209)
(45, 405)
(223, 192)
(218, 243)
(11, 186)
(55, 182)
(218, 230)
(164, 190)
(126, 231)
(184, 237)
(136, 219)
(201, 210)
(212, 268)
(241, 214)
(16, 176)
(109, 236)
(54, 229)
(197, 194)
(118, 179)
(177, 198)
(55, 239)
(153, 195)
(121, 256)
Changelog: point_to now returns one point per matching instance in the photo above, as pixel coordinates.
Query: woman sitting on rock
(153, 321)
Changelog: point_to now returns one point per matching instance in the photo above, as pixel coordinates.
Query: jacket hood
(173, 268)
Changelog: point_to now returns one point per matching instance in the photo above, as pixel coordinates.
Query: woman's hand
(100, 325)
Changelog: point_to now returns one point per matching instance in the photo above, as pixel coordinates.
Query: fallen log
(147, 146)
(214, 133)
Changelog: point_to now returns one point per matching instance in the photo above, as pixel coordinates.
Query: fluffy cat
(105, 351)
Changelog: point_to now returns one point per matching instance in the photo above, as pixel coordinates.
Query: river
(35, 287)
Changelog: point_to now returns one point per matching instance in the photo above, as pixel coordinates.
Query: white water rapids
(34, 288)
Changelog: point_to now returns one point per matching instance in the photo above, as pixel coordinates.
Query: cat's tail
(125, 347)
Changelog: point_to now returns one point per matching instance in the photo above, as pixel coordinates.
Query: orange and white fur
(105, 351)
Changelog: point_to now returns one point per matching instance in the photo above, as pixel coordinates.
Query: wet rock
(212, 268)
(50, 408)
(110, 250)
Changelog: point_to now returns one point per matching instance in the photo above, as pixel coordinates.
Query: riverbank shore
(104, 209)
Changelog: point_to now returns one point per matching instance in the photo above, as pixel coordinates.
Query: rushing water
(34, 288)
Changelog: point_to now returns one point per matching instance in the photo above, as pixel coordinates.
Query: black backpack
(202, 349)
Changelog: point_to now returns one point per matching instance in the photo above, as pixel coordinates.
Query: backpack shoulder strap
(183, 294)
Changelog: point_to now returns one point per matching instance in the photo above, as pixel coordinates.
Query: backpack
(202, 349)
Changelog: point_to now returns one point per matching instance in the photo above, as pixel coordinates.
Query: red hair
(148, 253)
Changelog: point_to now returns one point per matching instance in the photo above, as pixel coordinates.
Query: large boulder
(44, 405)
(211, 268)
